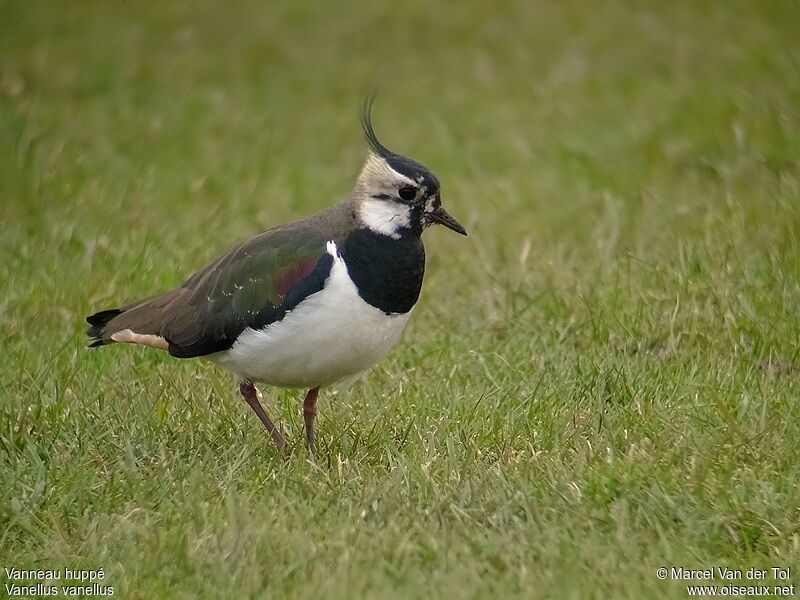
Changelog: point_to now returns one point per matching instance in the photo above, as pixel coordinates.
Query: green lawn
(603, 379)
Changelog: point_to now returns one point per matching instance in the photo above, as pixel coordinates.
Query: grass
(601, 380)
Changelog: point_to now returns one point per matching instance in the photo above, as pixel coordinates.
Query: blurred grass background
(601, 380)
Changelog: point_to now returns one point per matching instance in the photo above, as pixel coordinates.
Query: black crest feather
(369, 132)
(402, 164)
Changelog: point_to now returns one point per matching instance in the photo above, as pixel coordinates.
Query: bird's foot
(250, 395)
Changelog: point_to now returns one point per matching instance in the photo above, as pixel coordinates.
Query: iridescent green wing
(252, 286)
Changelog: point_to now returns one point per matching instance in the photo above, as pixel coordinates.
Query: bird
(306, 304)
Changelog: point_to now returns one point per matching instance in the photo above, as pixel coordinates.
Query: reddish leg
(250, 395)
(309, 412)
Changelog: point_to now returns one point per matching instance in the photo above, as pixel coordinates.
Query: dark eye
(408, 193)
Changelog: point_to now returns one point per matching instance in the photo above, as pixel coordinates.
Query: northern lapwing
(308, 303)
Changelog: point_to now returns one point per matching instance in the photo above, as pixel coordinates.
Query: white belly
(331, 335)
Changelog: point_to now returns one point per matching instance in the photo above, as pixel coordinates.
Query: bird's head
(396, 194)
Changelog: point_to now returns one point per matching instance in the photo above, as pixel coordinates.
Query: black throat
(387, 271)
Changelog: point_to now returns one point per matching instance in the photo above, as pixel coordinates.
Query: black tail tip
(97, 322)
(99, 319)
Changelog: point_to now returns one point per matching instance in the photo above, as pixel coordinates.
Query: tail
(97, 325)
(140, 323)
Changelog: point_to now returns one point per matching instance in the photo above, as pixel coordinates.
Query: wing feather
(251, 286)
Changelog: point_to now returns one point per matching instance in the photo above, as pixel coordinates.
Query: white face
(385, 217)
(382, 209)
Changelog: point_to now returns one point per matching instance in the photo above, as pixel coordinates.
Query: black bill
(441, 216)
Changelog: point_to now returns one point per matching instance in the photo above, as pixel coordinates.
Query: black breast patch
(387, 271)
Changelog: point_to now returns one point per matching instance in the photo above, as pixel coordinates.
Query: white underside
(330, 336)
